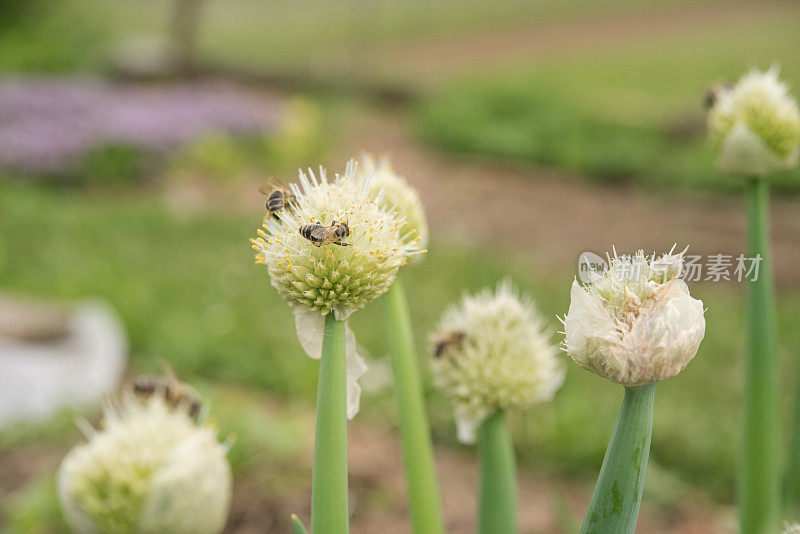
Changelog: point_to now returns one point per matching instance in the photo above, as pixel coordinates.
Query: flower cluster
(151, 468)
(493, 352)
(332, 277)
(336, 277)
(755, 125)
(637, 323)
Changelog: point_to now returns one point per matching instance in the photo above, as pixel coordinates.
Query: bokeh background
(134, 136)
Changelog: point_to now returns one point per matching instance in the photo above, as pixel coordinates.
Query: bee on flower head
(279, 197)
(712, 93)
(175, 393)
(446, 340)
(323, 235)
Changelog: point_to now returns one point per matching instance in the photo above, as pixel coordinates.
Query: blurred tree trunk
(184, 34)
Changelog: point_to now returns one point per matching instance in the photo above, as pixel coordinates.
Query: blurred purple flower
(47, 125)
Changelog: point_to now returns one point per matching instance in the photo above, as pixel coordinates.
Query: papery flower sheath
(755, 125)
(334, 277)
(150, 469)
(492, 352)
(396, 193)
(637, 323)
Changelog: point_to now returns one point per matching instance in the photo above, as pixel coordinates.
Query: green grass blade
(329, 512)
(497, 507)
(423, 490)
(760, 476)
(297, 526)
(614, 507)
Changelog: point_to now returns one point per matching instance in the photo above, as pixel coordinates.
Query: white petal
(588, 326)
(743, 152)
(310, 327)
(467, 423)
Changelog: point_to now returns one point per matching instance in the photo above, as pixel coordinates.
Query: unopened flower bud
(637, 323)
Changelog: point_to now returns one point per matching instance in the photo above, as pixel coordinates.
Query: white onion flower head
(150, 469)
(504, 358)
(637, 323)
(396, 193)
(755, 125)
(791, 528)
(317, 280)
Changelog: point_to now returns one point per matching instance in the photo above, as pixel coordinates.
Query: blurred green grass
(629, 114)
(188, 291)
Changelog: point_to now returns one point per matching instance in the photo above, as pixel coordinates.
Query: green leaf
(297, 526)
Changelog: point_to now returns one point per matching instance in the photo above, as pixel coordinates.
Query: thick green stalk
(614, 507)
(423, 490)
(497, 507)
(329, 512)
(760, 476)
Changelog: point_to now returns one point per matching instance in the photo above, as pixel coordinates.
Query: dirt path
(554, 217)
(435, 58)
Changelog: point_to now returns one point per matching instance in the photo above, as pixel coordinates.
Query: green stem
(497, 513)
(329, 512)
(792, 481)
(614, 507)
(423, 490)
(760, 476)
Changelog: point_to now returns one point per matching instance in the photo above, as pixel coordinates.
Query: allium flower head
(637, 323)
(493, 352)
(755, 125)
(791, 528)
(332, 277)
(316, 280)
(396, 193)
(150, 469)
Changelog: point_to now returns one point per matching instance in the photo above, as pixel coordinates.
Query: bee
(176, 393)
(447, 340)
(279, 197)
(322, 235)
(713, 91)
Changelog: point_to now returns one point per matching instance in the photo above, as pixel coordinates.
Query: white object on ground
(40, 377)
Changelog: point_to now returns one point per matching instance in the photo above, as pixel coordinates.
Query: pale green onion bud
(396, 193)
(493, 352)
(317, 280)
(637, 323)
(150, 469)
(755, 125)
